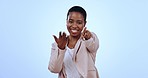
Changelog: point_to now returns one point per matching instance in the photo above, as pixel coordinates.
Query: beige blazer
(84, 58)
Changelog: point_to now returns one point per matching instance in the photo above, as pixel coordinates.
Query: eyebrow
(76, 20)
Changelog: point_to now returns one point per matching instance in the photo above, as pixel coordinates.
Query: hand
(86, 34)
(62, 40)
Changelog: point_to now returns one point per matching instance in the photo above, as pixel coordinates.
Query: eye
(79, 22)
(70, 21)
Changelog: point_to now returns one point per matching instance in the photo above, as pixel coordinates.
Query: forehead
(75, 15)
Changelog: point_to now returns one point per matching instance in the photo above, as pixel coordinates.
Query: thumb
(55, 38)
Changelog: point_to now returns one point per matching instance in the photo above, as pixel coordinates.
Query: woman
(73, 56)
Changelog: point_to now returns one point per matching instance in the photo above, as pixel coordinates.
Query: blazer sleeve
(56, 59)
(92, 44)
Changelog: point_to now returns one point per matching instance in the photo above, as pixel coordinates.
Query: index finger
(84, 30)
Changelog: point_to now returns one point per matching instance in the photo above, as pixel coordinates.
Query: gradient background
(27, 26)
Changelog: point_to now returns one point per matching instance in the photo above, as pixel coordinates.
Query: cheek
(81, 28)
(68, 25)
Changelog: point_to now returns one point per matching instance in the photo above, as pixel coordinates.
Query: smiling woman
(75, 23)
(27, 26)
(73, 56)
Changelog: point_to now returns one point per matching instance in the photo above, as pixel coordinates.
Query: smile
(74, 31)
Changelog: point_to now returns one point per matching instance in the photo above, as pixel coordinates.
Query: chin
(75, 35)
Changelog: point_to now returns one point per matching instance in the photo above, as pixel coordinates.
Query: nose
(74, 24)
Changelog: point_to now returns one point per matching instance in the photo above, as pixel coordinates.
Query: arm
(92, 44)
(57, 53)
(56, 59)
(90, 39)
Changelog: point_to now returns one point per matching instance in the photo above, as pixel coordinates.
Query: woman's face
(75, 23)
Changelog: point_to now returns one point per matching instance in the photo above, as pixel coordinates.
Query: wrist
(62, 48)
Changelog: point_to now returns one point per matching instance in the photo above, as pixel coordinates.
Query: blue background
(27, 26)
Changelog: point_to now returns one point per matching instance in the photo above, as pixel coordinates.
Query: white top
(70, 68)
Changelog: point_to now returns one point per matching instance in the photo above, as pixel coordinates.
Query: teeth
(74, 31)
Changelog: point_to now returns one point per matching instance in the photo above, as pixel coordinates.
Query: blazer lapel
(76, 49)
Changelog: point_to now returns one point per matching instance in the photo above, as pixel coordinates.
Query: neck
(72, 41)
(72, 38)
